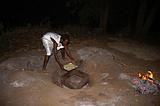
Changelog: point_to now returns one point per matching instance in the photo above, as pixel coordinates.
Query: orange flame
(148, 76)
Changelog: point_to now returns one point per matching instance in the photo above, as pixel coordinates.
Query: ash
(145, 86)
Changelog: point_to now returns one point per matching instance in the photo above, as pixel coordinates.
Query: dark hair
(65, 36)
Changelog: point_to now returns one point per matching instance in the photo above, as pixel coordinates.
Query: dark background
(22, 12)
(83, 12)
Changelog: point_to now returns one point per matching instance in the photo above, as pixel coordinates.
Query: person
(56, 42)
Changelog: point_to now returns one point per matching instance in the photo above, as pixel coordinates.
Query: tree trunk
(104, 16)
(140, 17)
(131, 14)
(150, 18)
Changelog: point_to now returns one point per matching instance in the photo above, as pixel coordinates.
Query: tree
(141, 17)
(150, 17)
(104, 14)
(93, 13)
(131, 16)
(145, 16)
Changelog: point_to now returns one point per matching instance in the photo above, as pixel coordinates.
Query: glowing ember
(148, 76)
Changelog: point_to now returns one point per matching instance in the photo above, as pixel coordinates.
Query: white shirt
(55, 37)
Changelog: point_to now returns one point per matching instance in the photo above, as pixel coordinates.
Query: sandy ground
(110, 62)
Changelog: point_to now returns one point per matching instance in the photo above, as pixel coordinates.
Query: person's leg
(45, 62)
(48, 47)
(63, 53)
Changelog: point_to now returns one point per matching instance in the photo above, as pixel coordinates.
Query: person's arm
(69, 53)
(56, 55)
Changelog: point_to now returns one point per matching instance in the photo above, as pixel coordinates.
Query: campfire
(147, 77)
(146, 83)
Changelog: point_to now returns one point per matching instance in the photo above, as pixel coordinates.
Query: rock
(75, 79)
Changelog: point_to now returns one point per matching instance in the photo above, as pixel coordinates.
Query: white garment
(48, 43)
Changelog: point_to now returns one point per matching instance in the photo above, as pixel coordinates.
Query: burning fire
(146, 83)
(148, 76)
